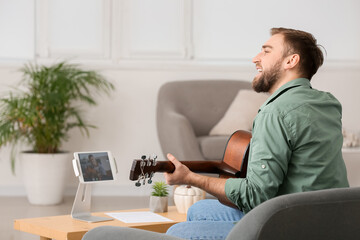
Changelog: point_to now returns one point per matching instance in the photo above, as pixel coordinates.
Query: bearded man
(295, 146)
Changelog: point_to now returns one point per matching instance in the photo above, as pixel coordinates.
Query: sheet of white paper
(138, 217)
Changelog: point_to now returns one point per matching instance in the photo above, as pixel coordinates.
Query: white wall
(139, 45)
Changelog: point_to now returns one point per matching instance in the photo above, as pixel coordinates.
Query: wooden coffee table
(66, 228)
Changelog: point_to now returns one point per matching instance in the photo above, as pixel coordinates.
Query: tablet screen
(95, 166)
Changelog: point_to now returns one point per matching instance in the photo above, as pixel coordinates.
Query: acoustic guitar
(233, 164)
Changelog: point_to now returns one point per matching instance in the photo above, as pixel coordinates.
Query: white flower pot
(158, 204)
(44, 176)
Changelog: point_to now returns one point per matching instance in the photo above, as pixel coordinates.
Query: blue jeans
(207, 219)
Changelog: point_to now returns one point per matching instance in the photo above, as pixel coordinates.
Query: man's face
(269, 64)
(92, 159)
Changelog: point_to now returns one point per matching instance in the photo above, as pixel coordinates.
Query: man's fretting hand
(181, 174)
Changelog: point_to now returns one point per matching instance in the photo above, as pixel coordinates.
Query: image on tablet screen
(95, 166)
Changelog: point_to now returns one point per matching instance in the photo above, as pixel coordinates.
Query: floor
(18, 207)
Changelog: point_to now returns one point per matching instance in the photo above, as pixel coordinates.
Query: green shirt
(295, 147)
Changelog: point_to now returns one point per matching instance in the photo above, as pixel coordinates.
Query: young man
(295, 146)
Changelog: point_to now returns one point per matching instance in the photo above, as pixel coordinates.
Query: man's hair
(304, 44)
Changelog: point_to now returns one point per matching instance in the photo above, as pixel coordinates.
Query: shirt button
(263, 166)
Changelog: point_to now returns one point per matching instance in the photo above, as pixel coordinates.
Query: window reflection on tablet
(95, 166)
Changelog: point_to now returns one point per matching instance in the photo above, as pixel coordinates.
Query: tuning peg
(138, 184)
(149, 163)
(151, 175)
(143, 157)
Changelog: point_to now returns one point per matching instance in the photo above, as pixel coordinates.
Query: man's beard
(267, 79)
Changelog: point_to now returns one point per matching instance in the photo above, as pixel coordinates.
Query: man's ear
(292, 61)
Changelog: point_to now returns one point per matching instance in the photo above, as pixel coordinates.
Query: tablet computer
(92, 167)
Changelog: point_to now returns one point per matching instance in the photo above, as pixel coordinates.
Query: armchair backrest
(202, 102)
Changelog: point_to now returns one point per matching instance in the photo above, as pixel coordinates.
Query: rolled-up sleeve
(270, 150)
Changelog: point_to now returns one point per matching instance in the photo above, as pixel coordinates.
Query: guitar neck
(217, 167)
(234, 163)
(195, 166)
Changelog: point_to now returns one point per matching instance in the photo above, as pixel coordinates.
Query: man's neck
(285, 79)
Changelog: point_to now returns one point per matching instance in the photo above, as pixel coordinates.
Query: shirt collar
(293, 83)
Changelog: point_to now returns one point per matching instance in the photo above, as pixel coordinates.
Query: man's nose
(256, 58)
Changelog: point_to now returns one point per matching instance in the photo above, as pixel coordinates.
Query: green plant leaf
(160, 189)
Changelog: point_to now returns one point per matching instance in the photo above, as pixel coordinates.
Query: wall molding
(116, 52)
(43, 48)
(123, 35)
(176, 65)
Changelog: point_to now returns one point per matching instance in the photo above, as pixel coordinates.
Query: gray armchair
(188, 110)
(321, 215)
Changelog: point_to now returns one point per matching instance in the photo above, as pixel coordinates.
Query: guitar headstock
(143, 169)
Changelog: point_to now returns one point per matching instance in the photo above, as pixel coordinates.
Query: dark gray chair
(321, 215)
(188, 110)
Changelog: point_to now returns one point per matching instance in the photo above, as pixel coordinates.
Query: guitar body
(233, 164)
(237, 152)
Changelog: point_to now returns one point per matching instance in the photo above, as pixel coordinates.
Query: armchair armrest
(323, 214)
(121, 233)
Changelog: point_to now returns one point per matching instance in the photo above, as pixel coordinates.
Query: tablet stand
(82, 204)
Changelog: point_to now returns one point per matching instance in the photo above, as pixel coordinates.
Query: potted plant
(40, 115)
(159, 197)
